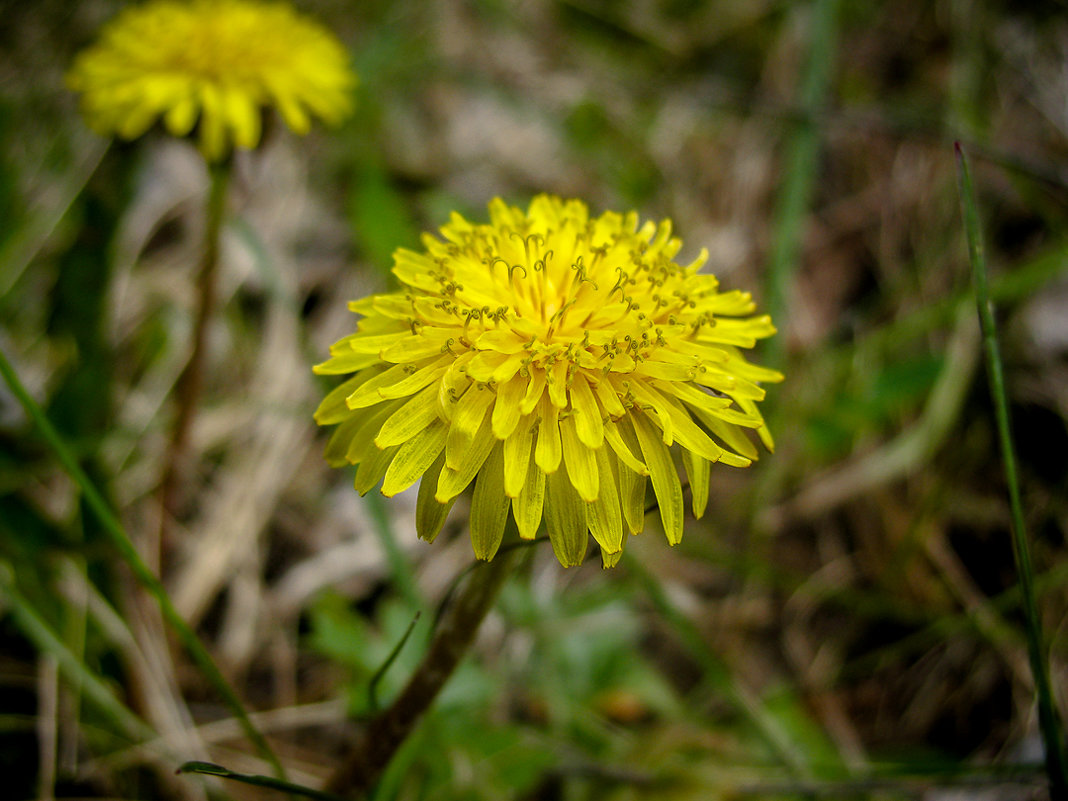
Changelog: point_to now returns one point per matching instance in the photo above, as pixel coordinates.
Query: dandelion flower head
(552, 358)
(215, 65)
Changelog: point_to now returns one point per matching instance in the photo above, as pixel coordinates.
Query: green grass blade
(799, 170)
(120, 540)
(40, 633)
(211, 769)
(1049, 721)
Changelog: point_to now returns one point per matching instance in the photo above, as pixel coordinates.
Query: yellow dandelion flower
(215, 65)
(553, 359)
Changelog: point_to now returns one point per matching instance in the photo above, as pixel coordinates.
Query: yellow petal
(345, 362)
(527, 506)
(452, 482)
(430, 513)
(697, 470)
(333, 409)
(412, 417)
(605, 516)
(414, 458)
(489, 506)
(664, 477)
(622, 450)
(400, 380)
(506, 407)
(517, 457)
(471, 412)
(373, 468)
(534, 391)
(609, 398)
(580, 460)
(632, 499)
(565, 519)
(588, 420)
(556, 378)
(243, 115)
(338, 444)
(547, 450)
(362, 442)
(609, 560)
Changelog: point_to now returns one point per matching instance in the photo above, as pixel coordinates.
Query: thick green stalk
(1048, 719)
(456, 630)
(120, 540)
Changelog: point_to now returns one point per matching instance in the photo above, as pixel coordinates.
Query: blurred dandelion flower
(213, 64)
(553, 359)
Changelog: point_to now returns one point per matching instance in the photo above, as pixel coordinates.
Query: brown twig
(371, 753)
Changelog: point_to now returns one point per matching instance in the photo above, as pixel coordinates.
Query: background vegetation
(844, 620)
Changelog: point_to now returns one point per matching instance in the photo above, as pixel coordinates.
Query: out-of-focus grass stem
(120, 540)
(191, 381)
(47, 641)
(799, 170)
(1049, 720)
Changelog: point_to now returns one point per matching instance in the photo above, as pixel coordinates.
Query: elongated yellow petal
(347, 361)
(565, 519)
(605, 516)
(517, 457)
(414, 457)
(506, 412)
(373, 468)
(556, 383)
(527, 506)
(588, 423)
(731, 435)
(452, 482)
(664, 477)
(339, 442)
(410, 418)
(362, 443)
(622, 450)
(547, 451)
(400, 380)
(580, 460)
(333, 409)
(608, 395)
(489, 506)
(632, 499)
(697, 472)
(467, 420)
(535, 389)
(430, 514)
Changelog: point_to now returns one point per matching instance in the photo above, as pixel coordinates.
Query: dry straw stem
(1049, 720)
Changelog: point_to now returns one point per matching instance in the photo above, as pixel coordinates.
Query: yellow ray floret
(557, 361)
(212, 65)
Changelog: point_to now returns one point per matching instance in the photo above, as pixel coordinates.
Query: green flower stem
(386, 732)
(1048, 719)
(191, 381)
(120, 540)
